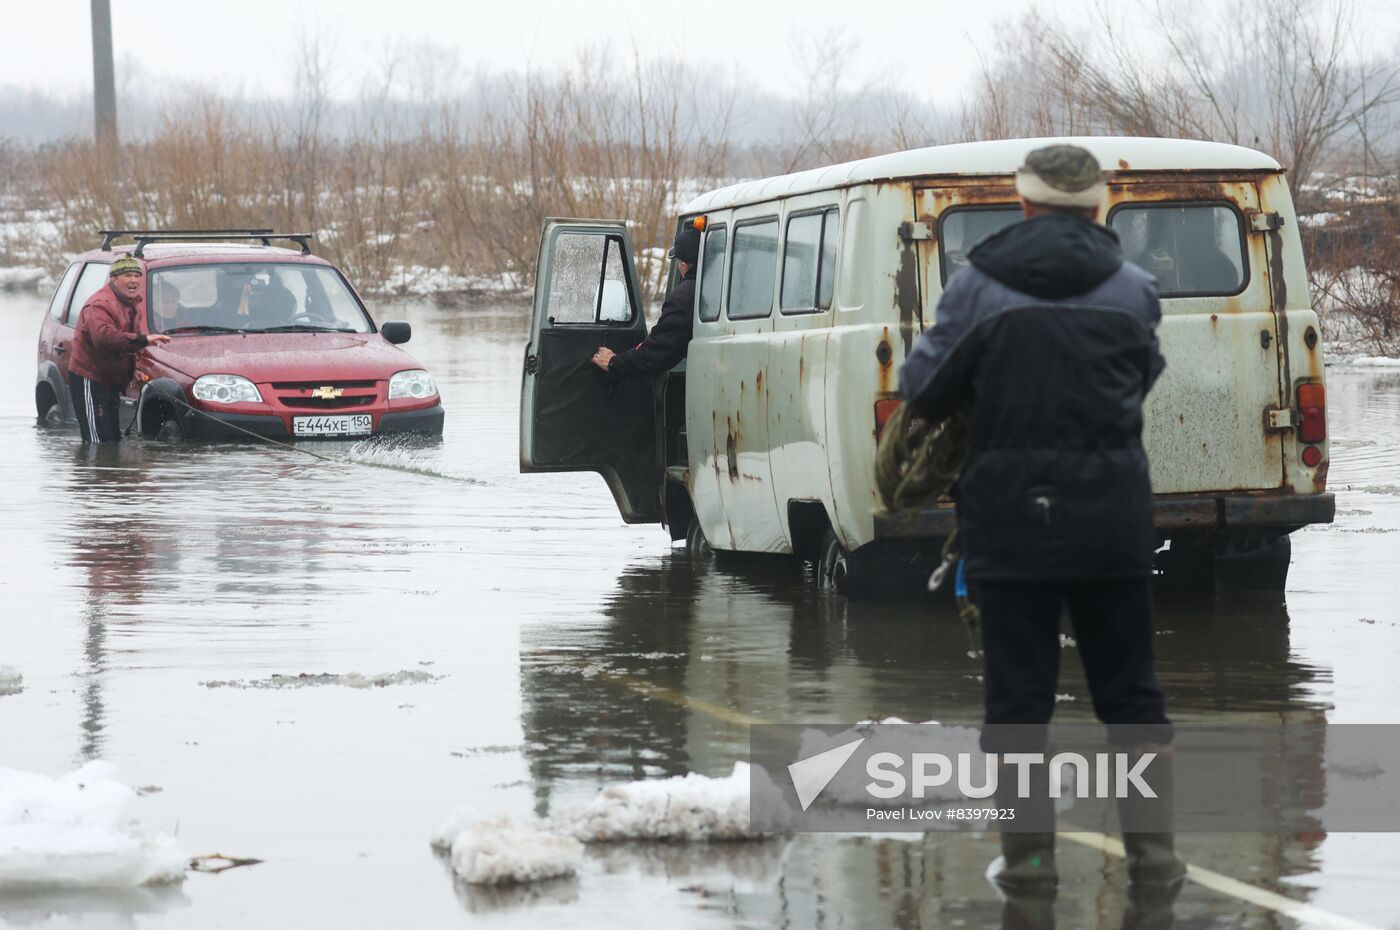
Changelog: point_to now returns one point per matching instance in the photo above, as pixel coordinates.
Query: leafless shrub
(1354, 276)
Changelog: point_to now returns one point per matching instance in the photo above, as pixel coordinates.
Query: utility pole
(104, 82)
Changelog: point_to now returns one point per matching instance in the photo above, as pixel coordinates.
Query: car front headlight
(414, 384)
(226, 389)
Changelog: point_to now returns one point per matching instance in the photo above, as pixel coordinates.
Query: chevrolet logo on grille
(328, 392)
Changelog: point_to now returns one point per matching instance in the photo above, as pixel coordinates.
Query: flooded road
(161, 602)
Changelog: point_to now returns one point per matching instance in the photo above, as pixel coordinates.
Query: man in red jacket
(104, 351)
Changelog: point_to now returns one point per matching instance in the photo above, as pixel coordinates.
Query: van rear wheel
(696, 544)
(833, 565)
(1254, 562)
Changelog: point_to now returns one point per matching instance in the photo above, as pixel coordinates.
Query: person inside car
(104, 351)
(166, 311)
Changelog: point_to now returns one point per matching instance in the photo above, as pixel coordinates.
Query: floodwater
(538, 649)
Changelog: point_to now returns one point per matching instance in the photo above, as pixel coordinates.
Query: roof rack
(110, 234)
(145, 236)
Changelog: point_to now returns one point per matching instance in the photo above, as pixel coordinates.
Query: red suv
(267, 340)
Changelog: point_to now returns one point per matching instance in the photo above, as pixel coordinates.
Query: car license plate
(350, 424)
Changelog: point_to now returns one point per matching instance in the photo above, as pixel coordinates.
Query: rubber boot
(1148, 840)
(1028, 911)
(1027, 861)
(1150, 907)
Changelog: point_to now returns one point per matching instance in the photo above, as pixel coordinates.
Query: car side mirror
(396, 331)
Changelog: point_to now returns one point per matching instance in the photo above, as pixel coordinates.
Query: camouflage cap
(1061, 176)
(125, 265)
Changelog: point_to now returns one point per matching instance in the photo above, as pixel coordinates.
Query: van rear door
(1207, 423)
(573, 417)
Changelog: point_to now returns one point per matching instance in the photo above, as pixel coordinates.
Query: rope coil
(916, 463)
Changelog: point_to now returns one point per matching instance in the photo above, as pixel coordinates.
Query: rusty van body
(813, 286)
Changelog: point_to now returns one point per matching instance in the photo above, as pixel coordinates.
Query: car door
(93, 277)
(573, 416)
(54, 334)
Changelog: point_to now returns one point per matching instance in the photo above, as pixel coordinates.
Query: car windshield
(253, 297)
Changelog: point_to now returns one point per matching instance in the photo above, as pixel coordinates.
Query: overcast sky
(245, 45)
(924, 47)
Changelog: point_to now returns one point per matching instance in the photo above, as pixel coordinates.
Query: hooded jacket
(1047, 343)
(106, 340)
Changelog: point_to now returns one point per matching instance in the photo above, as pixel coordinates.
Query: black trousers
(1112, 623)
(98, 409)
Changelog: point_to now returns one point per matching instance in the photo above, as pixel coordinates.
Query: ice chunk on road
(502, 852)
(687, 807)
(347, 680)
(76, 831)
(11, 681)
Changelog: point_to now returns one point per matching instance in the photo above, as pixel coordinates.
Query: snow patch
(347, 680)
(75, 831)
(687, 807)
(502, 852)
(22, 278)
(690, 807)
(1374, 361)
(422, 281)
(11, 681)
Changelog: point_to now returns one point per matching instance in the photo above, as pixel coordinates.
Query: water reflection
(686, 655)
(114, 548)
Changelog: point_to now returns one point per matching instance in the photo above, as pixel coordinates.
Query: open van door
(573, 417)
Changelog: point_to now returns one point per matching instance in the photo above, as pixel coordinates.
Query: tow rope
(916, 463)
(409, 468)
(234, 426)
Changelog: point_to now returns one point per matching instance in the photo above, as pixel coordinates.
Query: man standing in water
(1046, 342)
(104, 351)
(669, 339)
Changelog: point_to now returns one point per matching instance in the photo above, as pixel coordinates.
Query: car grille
(328, 403)
(298, 394)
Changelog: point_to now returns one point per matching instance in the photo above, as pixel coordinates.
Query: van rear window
(754, 269)
(961, 228)
(1194, 250)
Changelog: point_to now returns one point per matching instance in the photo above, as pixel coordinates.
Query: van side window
(961, 228)
(712, 274)
(755, 266)
(60, 297)
(93, 278)
(1194, 250)
(809, 261)
(588, 281)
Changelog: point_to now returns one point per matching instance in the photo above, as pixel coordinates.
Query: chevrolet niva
(264, 340)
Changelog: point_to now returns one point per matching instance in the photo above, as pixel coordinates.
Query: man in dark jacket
(1046, 342)
(669, 339)
(104, 351)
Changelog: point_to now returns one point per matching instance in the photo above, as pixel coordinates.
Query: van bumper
(1170, 512)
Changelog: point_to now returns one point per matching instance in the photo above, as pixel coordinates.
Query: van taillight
(1312, 412)
(884, 409)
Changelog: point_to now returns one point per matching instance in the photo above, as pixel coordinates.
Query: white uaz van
(813, 286)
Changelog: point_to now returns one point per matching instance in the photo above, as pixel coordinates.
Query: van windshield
(253, 297)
